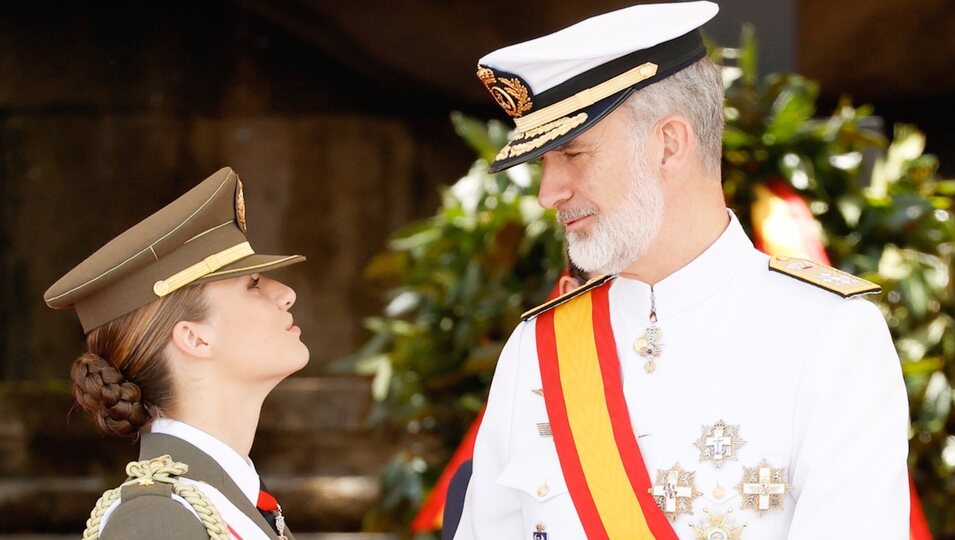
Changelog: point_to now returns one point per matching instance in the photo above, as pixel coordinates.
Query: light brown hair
(123, 379)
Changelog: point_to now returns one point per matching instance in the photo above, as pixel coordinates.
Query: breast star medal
(675, 491)
(717, 527)
(718, 443)
(648, 345)
(763, 488)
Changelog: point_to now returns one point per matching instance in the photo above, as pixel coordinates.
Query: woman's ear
(192, 339)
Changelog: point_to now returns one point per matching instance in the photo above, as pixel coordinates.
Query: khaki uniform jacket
(149, 513)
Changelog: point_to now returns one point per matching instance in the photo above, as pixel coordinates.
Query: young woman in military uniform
(184, 340)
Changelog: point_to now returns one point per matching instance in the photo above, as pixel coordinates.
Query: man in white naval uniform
(766, 400)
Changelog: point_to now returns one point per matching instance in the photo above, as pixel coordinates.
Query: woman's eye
(254, 282)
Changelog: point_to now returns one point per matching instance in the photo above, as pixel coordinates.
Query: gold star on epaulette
(592, 284)
(825, 277)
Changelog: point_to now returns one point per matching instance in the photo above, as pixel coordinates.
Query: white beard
(619, 237)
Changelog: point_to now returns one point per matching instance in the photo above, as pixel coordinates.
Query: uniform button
(719, 492)
(543, 491)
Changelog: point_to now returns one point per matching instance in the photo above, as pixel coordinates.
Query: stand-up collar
(693, 283)
(239, 468)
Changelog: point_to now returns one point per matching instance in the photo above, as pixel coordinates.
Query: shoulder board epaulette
(592, 284)
(825, 277)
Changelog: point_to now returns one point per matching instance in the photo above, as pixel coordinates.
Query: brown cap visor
(253, 264)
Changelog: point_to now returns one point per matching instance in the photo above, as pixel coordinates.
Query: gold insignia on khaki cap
(199, 237)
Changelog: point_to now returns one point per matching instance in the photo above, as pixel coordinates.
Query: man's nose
(555, 185)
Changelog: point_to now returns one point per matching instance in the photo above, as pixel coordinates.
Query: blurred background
(339, 118)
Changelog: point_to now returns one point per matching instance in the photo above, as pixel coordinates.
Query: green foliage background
(459, 281)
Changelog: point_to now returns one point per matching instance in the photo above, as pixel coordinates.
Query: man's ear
(677, 137)
(192, 339)
(566, 284)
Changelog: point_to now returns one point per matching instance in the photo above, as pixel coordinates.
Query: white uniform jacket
(811, 379)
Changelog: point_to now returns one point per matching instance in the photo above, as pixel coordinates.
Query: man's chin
(589, 263)
(595, 265)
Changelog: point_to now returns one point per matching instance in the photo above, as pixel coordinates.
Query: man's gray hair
(695, 93)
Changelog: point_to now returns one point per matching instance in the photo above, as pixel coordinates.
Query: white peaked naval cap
(557, 86)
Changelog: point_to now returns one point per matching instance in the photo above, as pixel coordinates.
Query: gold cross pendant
(648, 346)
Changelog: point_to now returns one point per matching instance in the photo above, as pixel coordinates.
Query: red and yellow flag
(430, 516)
(783, 225)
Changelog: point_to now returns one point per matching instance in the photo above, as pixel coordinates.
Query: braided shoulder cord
(164, 470)
(99, 510)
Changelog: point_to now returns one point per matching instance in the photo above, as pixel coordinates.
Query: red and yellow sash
(598, 452)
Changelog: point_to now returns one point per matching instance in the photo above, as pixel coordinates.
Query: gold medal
(763, 488)
(717, 527)
(719, 442)
(675, 491)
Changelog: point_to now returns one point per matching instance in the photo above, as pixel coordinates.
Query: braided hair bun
(115, 403)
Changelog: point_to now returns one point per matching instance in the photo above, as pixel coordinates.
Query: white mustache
(566, 215)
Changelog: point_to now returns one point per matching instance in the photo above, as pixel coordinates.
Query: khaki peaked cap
(199, 237)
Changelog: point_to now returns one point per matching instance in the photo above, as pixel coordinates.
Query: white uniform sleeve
(850, 478)
(492, 511)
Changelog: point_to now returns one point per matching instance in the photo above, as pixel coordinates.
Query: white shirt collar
(239, 468)
(696, 281)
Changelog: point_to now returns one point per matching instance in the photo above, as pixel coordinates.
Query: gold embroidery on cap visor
(202, 268)
(528, 141)
(541, 127)
(586, 98)
(509, 93)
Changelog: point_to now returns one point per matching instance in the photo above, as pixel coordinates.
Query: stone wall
(107, 114)
(109, 111)
(334, 113)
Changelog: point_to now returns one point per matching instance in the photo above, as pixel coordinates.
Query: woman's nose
(283, 295)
